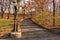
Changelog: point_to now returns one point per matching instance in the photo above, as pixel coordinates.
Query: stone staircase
(31, 29)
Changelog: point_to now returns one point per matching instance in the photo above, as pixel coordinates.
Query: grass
(5, 26)
(5, 23)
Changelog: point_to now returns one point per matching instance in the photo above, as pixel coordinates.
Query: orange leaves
(33, 4)
(38, 0)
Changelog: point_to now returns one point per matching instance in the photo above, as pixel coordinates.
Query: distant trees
(9, 8)
(4, 5)
(2, 9)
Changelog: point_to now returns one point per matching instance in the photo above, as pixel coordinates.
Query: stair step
(34, 34)
(31, 29)
(28, 22)
(29, 26)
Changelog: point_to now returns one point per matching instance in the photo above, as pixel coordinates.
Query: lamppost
(53, 13)
(15, 32)
(16, 6)
(15, 14)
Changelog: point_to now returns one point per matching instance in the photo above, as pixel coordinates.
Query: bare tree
(9, 8)
(3, 9)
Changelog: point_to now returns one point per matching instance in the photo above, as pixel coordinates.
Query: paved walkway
(47, 36)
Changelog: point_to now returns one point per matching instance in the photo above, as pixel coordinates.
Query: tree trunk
(9, 11)
(2, 14)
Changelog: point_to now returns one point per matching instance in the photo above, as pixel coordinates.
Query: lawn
(5, 23)
(5, 26)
